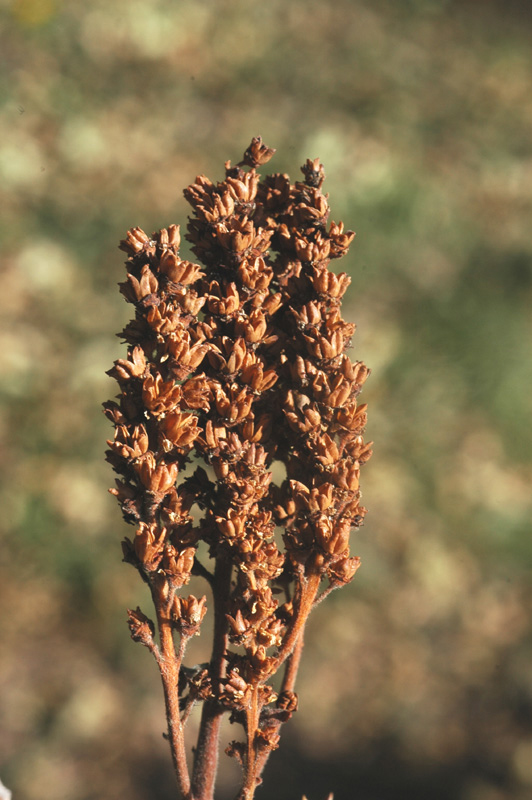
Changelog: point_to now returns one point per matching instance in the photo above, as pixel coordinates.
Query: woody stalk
(236, 363)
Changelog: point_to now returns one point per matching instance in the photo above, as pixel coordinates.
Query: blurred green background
(417, 679)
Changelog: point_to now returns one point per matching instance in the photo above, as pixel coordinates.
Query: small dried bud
(160, 396)
(188, 613)
(253, 329)
(128, 445)
(342, 572)
(169, 237)
(226, 304)
(233, 526)
(353, 417)
(237, 625)
(313, 172)
(257, 153)
(157, 478)
(142, 629)
(236, 690)
(183, 272)
(180, 429)
(266, 739)
(177, 564)
(124, 370)
(287, 701)
(340, 241)
(237, 750)
(149, 545)
(135, 241)
(137, 290)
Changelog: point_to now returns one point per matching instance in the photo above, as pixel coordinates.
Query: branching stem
(169, 664)
(206, 754)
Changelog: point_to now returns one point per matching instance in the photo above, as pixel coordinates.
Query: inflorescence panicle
(234, 363)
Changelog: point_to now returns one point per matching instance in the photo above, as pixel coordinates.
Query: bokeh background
(417, 679)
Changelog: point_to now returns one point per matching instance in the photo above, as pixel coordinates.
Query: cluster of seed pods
(237, 370)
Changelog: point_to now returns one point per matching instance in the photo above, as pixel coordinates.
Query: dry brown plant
(233, 364)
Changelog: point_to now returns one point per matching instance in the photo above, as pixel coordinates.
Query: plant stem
(289, 680)
(206, 754)
(169, 665)
(252, 724)
(292, 666)
(309, 591)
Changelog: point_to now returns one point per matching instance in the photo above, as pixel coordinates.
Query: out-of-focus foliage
(417, 681)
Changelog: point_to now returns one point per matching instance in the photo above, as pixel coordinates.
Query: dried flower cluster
(235, 365)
